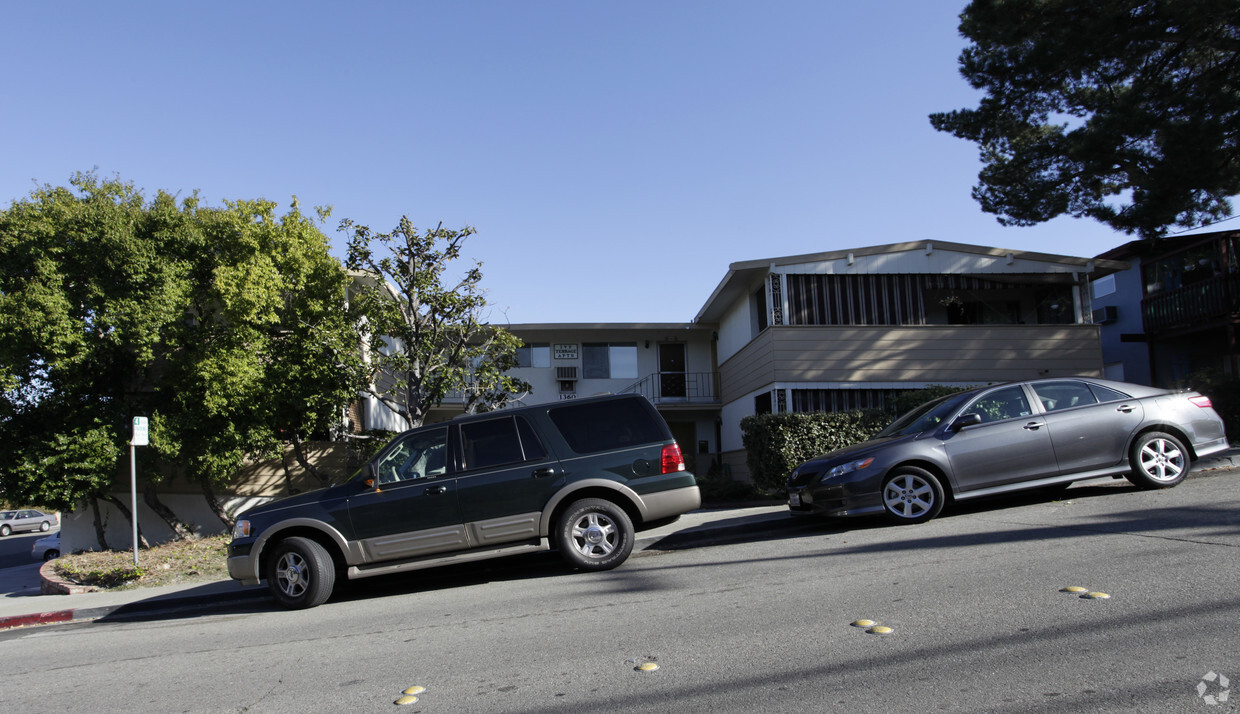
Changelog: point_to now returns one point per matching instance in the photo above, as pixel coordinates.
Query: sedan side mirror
(966, 420)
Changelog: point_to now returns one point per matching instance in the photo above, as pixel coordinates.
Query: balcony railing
(1204, 301)
(677, 387)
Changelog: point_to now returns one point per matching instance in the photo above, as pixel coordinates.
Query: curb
(50, 583)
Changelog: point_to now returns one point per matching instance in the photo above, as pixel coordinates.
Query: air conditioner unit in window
(563, 373)
(1104, 315)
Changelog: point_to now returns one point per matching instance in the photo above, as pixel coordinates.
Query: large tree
(226, 326)
(425, 339)
(1125, 111)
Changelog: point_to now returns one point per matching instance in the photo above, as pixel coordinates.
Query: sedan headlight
(847, 468)
(241, 530)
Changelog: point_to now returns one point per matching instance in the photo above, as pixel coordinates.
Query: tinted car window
(1006, 403)
(491, 443)
(601, 426)
(1063, 395)
(530, 444)
(1106, 394)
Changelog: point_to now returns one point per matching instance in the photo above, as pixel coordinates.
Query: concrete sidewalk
(23, 605)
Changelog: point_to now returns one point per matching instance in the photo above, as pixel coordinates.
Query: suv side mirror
(966, 420)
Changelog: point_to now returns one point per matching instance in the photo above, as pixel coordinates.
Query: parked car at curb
(46, 548)
(26, 519)
(579, 476)
(1007, 437)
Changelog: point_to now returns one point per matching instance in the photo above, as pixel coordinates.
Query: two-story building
(1173, 311)
(837, 330)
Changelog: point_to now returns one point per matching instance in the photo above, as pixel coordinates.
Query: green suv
(574, 475)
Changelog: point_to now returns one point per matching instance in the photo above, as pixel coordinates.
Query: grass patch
(176, 563)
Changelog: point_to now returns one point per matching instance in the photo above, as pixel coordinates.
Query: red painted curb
(41, 618)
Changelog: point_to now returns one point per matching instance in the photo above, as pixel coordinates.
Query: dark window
(762, 403)
(530, 444)
(843, 400)
(602, 426)
(1063, 395)
(1106, 394)
(491, 443)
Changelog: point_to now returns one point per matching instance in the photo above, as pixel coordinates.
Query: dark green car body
(476, 487)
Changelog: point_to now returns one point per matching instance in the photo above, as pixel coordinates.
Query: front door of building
(672, 382)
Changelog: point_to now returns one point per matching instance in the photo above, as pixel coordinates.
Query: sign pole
(140, 438)
(133, 498)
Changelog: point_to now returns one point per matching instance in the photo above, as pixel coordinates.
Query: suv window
(602, 426)
(419, 455)
(496, 442)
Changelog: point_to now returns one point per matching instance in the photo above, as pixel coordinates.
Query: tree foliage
(425, 339)
(1125, 111)
(225, 326)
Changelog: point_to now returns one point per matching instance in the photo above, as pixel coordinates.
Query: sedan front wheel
(912, 495)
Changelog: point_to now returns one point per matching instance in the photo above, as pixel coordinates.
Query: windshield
(923, 418)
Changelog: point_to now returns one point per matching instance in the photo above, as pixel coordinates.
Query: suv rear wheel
(300, 573)
(594, 534)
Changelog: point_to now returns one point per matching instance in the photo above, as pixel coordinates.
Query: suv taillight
(672, 459)
(1201, 401)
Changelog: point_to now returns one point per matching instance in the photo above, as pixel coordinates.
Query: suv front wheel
(300, 573)
(594, 534)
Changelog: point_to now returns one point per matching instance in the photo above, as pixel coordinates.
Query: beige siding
(749, 369)
(937, 353)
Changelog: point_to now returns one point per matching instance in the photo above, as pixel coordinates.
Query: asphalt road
(973, 599)
(15, 548)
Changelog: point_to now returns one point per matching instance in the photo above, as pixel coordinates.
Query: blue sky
(615, 157)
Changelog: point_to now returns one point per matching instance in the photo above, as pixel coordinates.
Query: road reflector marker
(1072, 589)
(1095, 596)
(646, 667)
(415, 689)
(406, 700)
(864, 623)
(880, 630)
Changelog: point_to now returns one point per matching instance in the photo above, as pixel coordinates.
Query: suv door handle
(544, 472)
(435, 490)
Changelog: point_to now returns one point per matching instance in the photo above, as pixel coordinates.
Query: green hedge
(778, 443)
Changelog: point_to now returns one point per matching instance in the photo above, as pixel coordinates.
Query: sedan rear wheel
(912, 495)
(1158, 461)
(44, 526)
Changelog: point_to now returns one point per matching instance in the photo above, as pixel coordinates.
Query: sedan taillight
(672, 459)
(1201, 401)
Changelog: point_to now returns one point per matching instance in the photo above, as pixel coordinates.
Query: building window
(609, 360)
(843, 400)
(537, 354)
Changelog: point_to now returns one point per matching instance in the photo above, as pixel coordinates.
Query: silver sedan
(26, 519)
(1007, 437)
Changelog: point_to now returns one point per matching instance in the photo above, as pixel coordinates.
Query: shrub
(778, 443)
